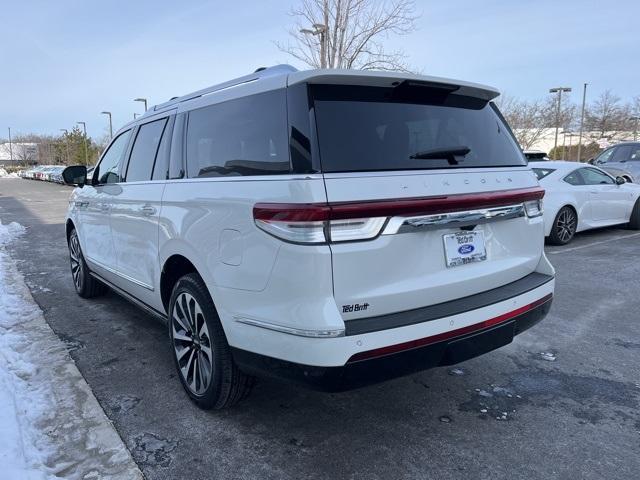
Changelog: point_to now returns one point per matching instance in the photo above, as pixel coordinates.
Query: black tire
(564, 226)
(86, 286)
(204, 361)
(634, 219)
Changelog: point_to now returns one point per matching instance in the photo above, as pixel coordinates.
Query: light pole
(559, 91)
(141, 100)
(584, 99)
(86, 153)
(319, 29)
(570, 135)
(66, 142)
(110, 124)
(10, 146)
(635, 119)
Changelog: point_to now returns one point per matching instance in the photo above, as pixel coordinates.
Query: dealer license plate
(461, 248)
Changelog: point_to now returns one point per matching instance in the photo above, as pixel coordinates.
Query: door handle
(148, 210)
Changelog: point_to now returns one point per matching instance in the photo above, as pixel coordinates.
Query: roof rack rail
(258, 74)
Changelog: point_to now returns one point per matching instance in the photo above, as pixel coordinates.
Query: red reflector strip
(296, 212)
(421, 342)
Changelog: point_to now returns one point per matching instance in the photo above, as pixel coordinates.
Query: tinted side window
(176, 162)
(574, 178)
(621, 154)
(109, 167)
(247, 136)
(543, 172)
(161, 167)
(605, 156)
(145, 148)
(595, 177)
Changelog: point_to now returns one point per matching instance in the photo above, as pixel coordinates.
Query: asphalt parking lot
(560, 402)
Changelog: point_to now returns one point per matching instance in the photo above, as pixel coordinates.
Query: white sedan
(580, 196)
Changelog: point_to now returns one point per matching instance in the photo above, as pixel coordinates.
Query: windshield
(369, 129)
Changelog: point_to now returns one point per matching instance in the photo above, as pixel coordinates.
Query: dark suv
(621, 160)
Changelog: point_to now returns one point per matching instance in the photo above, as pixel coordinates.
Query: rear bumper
(382, 364)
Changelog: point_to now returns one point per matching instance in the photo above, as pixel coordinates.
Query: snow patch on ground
(51, 425)
(5, 174)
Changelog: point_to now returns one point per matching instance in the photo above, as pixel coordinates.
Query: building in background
(544, 139)
(18, 154)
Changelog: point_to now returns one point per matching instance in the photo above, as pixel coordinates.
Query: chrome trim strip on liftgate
(453, 219)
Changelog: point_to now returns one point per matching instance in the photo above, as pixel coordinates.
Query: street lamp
(584, 100)
(110, 124)
(10, 146)
(86, 153)
(141, 100)
(635, 119)
(66, 132)
(319, 29)
(559, 91)
(570, 135)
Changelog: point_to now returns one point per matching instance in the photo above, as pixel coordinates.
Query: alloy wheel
(192, 343)
(76, 260)
(566, 225)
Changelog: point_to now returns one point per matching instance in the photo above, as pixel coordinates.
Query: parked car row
(621, 160)
(47, 173)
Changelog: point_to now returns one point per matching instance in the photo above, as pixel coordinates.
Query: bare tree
(607, 116)
(350, 33)
(532, 120)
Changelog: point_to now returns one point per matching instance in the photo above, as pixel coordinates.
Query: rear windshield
(373, 129)
(543, 172)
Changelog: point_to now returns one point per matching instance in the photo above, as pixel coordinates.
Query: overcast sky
(63, 61)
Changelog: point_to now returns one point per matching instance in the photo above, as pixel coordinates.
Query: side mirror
(75, 175)
(620, 180)
(592, 161)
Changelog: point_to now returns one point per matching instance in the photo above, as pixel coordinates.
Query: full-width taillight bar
(349, 221)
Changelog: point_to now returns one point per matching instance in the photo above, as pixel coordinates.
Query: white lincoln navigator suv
(329, 227)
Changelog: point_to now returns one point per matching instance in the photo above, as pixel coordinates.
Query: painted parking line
(592, 244)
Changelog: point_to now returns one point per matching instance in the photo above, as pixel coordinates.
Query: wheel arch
(575, 210)
(174, 267)
(553, 208)
(69, 226)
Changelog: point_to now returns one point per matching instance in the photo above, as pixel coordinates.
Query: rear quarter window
(543, 172)
(245, 136)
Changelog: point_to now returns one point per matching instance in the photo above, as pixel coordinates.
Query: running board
(127, 296)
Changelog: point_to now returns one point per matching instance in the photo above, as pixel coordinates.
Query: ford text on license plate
(461, 248)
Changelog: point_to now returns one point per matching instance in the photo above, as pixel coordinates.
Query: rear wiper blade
(446, 153)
